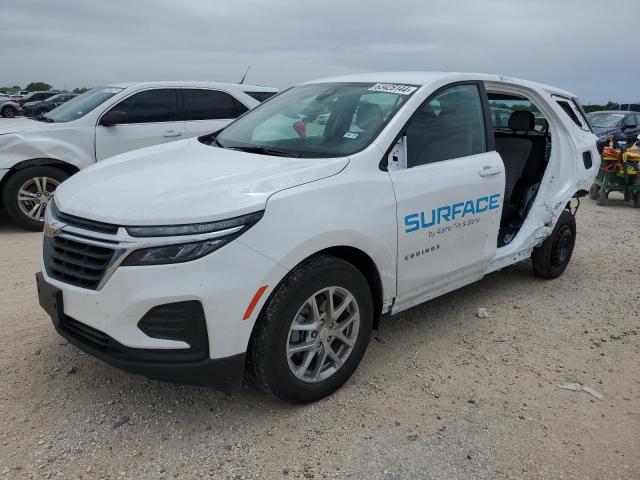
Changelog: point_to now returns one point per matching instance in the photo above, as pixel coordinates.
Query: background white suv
(36, 155)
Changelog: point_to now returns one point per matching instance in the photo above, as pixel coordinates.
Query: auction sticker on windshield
(393, 88)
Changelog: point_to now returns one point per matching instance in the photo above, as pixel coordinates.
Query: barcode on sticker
(393, 88)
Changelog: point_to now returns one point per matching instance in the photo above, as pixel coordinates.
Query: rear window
(261, 96)
(202, 104)
(574, 114)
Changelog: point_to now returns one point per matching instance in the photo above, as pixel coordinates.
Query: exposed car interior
(523, 141)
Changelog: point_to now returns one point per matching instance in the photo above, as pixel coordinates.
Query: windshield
(79, 106)
(317, 120)
(605, 120)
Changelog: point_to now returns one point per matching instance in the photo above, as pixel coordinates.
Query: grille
(91, 336)
(74, 262)
(84, 335)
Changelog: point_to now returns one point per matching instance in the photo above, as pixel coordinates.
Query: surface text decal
(446, 213)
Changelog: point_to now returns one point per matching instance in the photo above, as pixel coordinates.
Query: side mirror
(397, 159)
(114, 117)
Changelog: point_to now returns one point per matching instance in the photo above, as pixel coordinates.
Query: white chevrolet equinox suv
(275, 245)
(37, 154)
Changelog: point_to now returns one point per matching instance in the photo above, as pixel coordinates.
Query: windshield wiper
(265, 151)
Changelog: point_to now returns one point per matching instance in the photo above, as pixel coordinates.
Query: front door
(153, 118)
(449, 194)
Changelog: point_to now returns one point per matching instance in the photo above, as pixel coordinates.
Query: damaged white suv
(37, 154)
(274, 246)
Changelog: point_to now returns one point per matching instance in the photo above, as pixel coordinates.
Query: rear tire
(27, 192)
(603, 195)
(593, 191)
(552, 257)
(323, 360)
(42, 112)
(8, 111)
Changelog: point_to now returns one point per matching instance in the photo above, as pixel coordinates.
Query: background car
(37, 154)
(615, 124)
(9, 107)
(631, 107)
(37, 96)
(38, 109)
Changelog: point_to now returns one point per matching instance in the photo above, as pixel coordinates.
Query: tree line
(37, 87)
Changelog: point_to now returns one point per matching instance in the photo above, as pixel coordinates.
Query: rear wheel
(28, 192)
(593, 192)
(42, 112)
(313, 332)
(8, 111)
(603, 195)
(552, 257)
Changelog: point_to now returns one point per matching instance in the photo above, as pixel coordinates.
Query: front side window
(150, 106)
(79, 106)
(318, 120)
(449, 125)
(202, 104)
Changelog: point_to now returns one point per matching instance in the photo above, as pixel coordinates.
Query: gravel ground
(440, 394)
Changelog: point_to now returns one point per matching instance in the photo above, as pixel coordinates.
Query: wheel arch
(66, 167)
(359, 259)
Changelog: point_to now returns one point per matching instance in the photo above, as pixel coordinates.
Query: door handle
(488, 171)
(172, 133)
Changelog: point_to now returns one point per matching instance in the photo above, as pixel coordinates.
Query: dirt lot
(440, 394)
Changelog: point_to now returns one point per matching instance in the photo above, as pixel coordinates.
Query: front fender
(20, 147)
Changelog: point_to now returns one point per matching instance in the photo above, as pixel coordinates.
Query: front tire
(552, 257)
(313, 332)
(42, 112)
(8, 111)
(27, 193)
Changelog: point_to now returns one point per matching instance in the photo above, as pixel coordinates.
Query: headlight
(188, 251)
(184, 252)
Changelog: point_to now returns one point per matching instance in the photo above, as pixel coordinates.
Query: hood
(184, 182)
(599, 131)
(21, 124)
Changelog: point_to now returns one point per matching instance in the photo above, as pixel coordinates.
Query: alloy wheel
(323, 334)
(35, 194)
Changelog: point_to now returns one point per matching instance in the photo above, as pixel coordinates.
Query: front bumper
(224, 374)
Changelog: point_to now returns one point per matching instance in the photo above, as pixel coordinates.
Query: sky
(585, 46)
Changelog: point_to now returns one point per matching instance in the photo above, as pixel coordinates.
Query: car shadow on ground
(6, 226)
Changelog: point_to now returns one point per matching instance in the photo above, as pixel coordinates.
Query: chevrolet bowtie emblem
(50, 230)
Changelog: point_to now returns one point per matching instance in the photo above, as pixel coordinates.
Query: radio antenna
(245, 75)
